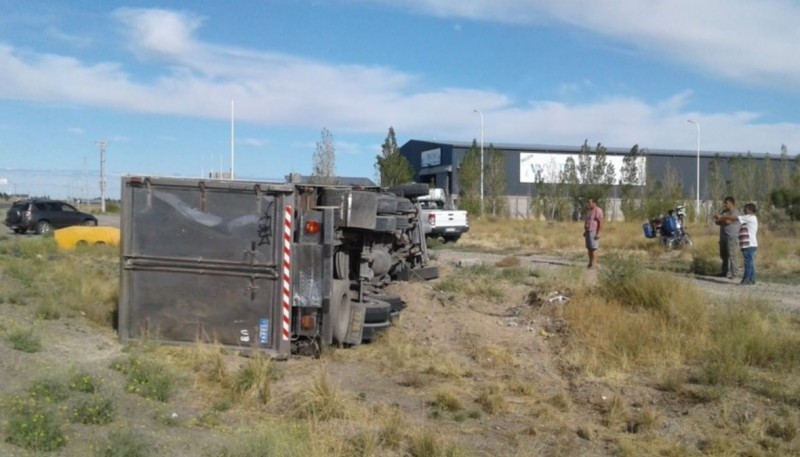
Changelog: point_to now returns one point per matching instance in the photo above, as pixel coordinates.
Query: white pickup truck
(440, 218)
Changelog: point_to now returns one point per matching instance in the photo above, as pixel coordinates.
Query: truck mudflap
(355, 330)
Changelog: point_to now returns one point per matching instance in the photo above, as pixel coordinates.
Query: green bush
(92, 410)
(146, 378)
(33, 425)
(25, 340)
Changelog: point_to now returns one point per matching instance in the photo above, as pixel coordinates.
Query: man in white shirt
(748, 241)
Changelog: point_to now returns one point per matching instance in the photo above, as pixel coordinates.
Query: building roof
(609, 150)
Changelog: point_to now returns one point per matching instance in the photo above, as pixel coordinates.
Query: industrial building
(438, 163)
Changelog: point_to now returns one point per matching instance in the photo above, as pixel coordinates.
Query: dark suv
(42, 215)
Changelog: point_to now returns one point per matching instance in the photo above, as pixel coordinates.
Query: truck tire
(332, 197)
(377, 311)
(451, 238)
(387, 204)
(410, 190)
(384, 224)
(404, 206)
(402, 223)
(372, 331)
(340, 310)
(424, 273)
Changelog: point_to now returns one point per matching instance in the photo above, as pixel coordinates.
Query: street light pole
(481, 114)
(697, 203)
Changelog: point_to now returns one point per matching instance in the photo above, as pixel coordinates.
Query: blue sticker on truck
(263, 332)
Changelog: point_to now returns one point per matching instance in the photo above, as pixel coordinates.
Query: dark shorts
(591, 243)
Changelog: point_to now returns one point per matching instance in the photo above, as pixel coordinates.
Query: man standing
(591, 231)
(728, 221)
(748, 240)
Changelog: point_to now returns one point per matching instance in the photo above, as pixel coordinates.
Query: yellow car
(71, 237)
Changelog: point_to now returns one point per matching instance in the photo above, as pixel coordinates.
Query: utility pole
(102, 145)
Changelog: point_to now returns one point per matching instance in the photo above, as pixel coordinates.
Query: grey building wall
(445, 173)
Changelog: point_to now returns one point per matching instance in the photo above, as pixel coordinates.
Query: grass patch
(281, 438)
(124, 443)
(145, 377)
(33, 425)
(253, 382)
(321, 401)
(92, 410)
(25, 340)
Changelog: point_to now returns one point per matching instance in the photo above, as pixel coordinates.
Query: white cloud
(740, 40)
(199, 79)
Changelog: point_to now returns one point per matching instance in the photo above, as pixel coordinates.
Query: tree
(393, 169)
(325, 160)
(470, 179)
(595, 177)
(715, 184)
(631, 183)
(495, 180)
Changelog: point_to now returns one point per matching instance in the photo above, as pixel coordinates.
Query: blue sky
(156, 81)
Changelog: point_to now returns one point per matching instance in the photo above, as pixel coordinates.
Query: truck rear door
(203, 260)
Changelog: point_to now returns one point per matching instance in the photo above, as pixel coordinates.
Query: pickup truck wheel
(43, 227)
(90, 223)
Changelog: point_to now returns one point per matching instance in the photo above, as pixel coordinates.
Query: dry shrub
(321, 400)
(606, 337)
(253, 382)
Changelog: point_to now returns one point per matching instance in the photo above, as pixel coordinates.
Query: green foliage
(787, 198)
(48, 390)
(92, 410)
(470, 176)
(124, 443)
(84, 382)
(393, 169)
(495, 181)
(325, 160)
(33, 425)
(429, 444)
(146, 378)
(25, 340)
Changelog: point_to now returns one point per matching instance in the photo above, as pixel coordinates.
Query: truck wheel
(402, 223)
(410, 190)
(404, 206)
(332, 197)
(377, 311)
(387, 204)
(384, 224)
(424, 273)
(340, 310)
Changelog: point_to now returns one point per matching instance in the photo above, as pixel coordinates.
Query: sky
(161, 82)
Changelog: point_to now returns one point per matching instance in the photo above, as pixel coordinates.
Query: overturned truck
(285, 268)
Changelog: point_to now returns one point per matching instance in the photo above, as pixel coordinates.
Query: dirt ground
(483, 344)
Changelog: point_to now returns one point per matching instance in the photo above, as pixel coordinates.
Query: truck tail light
(312, 227)
(432, 219)
(308, 322)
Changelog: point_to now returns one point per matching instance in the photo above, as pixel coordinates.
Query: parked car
(43, 215)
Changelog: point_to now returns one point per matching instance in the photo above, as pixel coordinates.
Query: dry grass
(685, 378)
